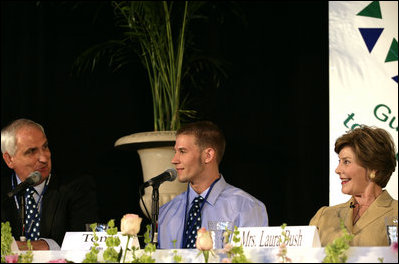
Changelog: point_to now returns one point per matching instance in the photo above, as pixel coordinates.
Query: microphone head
(32, 179)
(172, 173)
(35, 177)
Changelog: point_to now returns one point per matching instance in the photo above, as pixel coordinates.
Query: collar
(220, 185)
(192, 195)
(382, 200)
(380, 206)
(217, 189)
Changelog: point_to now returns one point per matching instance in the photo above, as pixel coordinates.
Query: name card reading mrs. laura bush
(259, 237)
(84, 241)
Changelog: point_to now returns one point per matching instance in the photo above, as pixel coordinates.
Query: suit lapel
(349, 217)
(379, 207)
(50, 201)
(345, 213)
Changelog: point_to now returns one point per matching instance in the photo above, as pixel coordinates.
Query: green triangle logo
(372, 10)
(393, 51)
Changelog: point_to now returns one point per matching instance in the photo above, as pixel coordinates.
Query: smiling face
(188, 159)
(353, 177)
(32, 153)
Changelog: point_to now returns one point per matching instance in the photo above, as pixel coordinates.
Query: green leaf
(91, 257)
(6, 240)
(158, 33)
(336, 250)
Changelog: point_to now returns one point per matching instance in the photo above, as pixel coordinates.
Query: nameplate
(267, 237)
(84, 241)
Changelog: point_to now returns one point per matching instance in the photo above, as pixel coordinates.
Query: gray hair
(8, 138)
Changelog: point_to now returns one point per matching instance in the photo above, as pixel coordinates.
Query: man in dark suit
(63, 204)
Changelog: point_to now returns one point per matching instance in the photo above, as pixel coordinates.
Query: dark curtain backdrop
(273, 106)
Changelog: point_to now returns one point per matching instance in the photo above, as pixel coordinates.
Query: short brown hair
(207, 134)
(374, 149)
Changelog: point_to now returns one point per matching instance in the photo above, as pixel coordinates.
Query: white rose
(204, 240)
(130, 224)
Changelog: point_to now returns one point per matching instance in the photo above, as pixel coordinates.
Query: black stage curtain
(273, 106)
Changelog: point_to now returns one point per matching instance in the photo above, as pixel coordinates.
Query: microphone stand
(22, 215)
(155, 213)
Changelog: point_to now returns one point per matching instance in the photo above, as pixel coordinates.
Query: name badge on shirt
(84, 241)
(266, 237)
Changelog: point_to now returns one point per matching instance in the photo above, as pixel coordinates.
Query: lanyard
(185, 238)
(14, 183)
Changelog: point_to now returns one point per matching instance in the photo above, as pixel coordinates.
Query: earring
(372, 175)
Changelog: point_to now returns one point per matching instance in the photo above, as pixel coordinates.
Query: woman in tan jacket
(367, 159)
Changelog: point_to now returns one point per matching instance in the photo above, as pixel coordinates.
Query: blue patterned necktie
(193, 223)
(32, 217)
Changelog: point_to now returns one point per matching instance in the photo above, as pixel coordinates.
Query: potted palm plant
(159, 38)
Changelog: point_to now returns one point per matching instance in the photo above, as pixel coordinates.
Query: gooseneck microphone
(32, 179)
(168, 175)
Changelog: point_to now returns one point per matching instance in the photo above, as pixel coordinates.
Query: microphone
(168, 175)
(32, 179)
(351, 205)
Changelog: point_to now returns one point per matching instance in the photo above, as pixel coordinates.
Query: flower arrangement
(284, 239)
(6, 240)
(130, 226)
(112, 241)
(235, 252)
(6, 253)
(91, 257)
(336, 250)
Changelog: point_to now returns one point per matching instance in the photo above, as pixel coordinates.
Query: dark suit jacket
(68, 204)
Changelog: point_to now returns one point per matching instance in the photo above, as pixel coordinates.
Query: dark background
(273, 106)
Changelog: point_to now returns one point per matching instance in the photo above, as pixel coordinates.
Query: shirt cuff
(51, 244)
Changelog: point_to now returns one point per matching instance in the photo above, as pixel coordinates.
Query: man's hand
(36, 245)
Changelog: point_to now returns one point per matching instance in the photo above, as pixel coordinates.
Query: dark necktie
(193, 223)
(32, 218)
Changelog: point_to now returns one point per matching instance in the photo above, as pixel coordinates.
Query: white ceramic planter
(156, 152)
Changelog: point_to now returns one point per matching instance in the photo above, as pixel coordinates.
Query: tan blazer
(369, 230)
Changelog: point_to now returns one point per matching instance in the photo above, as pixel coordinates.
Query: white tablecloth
(259, 255)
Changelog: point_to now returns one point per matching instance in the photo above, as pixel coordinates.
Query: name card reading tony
(84, 241)
(262, 237)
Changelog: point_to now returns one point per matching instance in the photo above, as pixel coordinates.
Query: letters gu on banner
(363, 61)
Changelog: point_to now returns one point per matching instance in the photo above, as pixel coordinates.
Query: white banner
(363, 74)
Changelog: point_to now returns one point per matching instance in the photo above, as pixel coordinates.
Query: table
(255, 255)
